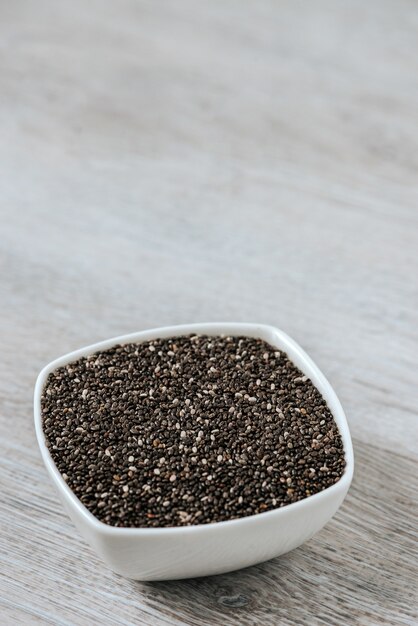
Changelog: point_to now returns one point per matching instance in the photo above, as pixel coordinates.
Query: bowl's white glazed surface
(183, 552)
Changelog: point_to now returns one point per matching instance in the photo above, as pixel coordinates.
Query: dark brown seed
(191, 430)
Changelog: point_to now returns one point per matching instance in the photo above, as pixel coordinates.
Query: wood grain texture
(166, 163)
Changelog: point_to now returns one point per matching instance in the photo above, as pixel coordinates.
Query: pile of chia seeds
(189, 430)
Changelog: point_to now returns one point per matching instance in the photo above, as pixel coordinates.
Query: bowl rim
(292, 348)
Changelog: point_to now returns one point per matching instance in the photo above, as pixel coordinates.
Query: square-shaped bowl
(202, 550)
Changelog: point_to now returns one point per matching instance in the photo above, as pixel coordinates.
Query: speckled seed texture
(189, 430)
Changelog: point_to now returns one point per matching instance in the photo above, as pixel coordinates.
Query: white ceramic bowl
(183, 552)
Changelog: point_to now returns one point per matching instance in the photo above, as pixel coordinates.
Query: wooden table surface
(166, 163)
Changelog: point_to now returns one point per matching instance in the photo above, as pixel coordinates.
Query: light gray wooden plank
(175, 162)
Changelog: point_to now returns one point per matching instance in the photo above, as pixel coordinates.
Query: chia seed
(189, 430)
